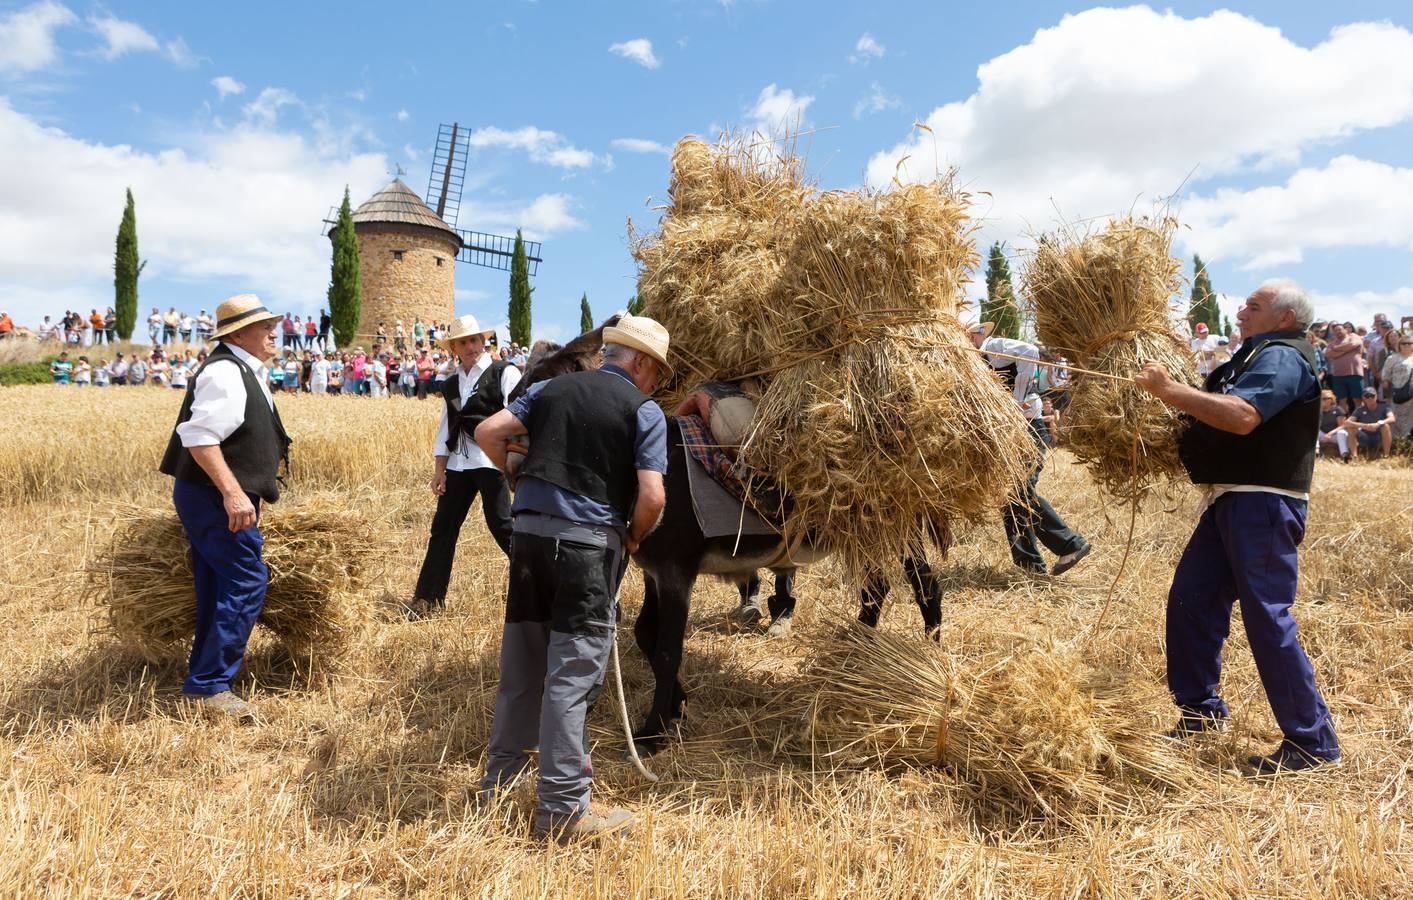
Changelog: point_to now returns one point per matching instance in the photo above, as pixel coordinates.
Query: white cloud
(866, 49)
(227, 86)
(1360, 306)
(237, 208)
(121, 37)
(543, 146)
(548, 214)
(403, 115)
(1113, 105)
(178, 52)
(411, 152)
(876, 101)
(639, 145)
(777, 109)
(265, 109)
(1349, 202)
(639, 50)
(27, 36)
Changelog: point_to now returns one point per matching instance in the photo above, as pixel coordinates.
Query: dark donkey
(676, 553)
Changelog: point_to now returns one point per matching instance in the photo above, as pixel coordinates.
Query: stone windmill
(407, 246)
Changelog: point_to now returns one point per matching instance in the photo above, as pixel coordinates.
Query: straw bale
(1036, 725)
(320, 558)
(874, 415)
(1104, 301)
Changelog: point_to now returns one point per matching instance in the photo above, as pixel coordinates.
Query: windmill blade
(448, 175)
(495, 251)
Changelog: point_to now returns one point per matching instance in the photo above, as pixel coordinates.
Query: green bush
(24, 373)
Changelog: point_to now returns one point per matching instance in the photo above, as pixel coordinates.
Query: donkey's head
(548, 359)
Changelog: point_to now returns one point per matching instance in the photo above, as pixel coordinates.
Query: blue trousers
(1245, 548)
(230, 579)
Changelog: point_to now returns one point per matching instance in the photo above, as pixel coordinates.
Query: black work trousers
(462, 488)
(1032, 517)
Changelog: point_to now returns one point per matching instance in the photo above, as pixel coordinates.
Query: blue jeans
(230, 579)
(1244, 548)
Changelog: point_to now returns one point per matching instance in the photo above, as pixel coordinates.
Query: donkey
(676, 553)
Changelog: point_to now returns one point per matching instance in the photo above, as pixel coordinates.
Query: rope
(1052, 365)
(623, 711)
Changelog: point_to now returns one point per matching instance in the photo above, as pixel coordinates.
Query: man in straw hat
(589, 490)
(476, 388)
(225, 454)
(1251, 449)
(1029, 516)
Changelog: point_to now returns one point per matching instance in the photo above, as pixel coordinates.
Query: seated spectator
(277, 373)
(118, 371)
(83, 372)
(60, 369)
(101, 374)
(1371, 425)
(1332, 431)
(137, 371)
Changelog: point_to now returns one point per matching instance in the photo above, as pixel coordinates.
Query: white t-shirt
(470, 456)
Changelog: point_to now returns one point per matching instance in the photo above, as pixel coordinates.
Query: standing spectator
(291, 383)
(76, 329)
(110, 326)
(187, 325)
(1370, 425)
(378, 376)
(357, 364)
(204, 326)
(154, 327)
(83, 372)
(170, 322)
(337, 364)
(137, 371)
(118, 371)
(441, 373)
(1397, 380)
(95, 322)
(1204, 348)
(101, 374)
(319, 374)
(399, 337)
(7, 325)
(1345, 354)
(298, 336)
(60, 369)
(419, 332)
(381, 337)
(407, 376)
(311, 331)
(324, 323)
(287, 328)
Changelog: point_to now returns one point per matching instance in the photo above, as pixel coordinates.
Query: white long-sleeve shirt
(468, 455)
(218, 406)
(1026, 393)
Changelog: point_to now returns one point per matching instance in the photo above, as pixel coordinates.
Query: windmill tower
(406, 247)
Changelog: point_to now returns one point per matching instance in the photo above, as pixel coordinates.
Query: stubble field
(359, 780)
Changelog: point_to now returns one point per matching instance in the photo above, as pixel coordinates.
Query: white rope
(623, 710)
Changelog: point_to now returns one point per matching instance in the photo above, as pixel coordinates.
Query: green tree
(586, 318)
(345, 290)
(1226, 326)
(520, 292)
(635, 305)
(1000, 303)
(1203, 305)
(126, 269)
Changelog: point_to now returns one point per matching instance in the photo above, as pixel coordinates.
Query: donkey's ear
(538, 353)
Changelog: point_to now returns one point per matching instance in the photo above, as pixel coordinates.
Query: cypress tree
(520, 292)
(586, 318)
(345, 291)
(1203, 304)
(635, 305)
(1000, 303)
(126, 268)
(1226, 326)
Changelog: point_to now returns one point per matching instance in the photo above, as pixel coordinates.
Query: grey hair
(620, 353)
(1286, 294)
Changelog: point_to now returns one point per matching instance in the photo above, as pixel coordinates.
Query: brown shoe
(225, 704)
(596, 822)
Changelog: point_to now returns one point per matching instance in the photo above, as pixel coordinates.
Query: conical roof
(398, 203)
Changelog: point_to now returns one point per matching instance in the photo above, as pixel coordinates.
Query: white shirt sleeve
(439, 447)
(508, 380)
(217, 408)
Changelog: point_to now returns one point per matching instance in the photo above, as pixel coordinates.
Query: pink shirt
(1351, 363)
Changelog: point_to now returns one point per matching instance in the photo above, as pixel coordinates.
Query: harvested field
(359, 784)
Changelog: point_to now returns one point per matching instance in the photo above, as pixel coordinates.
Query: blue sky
(1289, 127)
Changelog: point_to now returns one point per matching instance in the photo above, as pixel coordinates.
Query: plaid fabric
(697, 439)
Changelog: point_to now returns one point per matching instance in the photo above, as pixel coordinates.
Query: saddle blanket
(716, 492)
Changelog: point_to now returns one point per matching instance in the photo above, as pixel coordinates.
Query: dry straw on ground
(319, 556)
(840, 308)
(1104, 301)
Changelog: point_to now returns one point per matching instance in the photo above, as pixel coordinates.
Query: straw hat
(640, 333)
(236, 312)
(985, 328)
(464, 326)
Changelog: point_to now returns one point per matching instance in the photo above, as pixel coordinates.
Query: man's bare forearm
(1226, 412)
(213, 463)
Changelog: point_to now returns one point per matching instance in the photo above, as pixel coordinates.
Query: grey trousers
(555, 645)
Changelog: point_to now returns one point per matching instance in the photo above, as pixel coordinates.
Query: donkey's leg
(782, 603)
(875, 591)
(752, 607)
(927, 591)
(671, 593)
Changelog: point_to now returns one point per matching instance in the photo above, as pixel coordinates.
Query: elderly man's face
(1257, 316)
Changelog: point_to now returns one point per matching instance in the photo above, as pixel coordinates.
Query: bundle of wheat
(1036, 724)
(1104, 301)
(319, 557)
(875, 419)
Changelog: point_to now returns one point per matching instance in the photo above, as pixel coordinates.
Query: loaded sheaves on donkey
(676, 553)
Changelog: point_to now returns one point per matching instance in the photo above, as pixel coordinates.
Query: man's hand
(240, 512)
(1153, 378)
(438, 482)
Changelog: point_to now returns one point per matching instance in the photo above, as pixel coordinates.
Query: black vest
(253, 451)
(583, 430)
(485, 401)
(1278, 453)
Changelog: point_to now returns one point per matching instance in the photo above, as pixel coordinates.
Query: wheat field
(358, 781)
